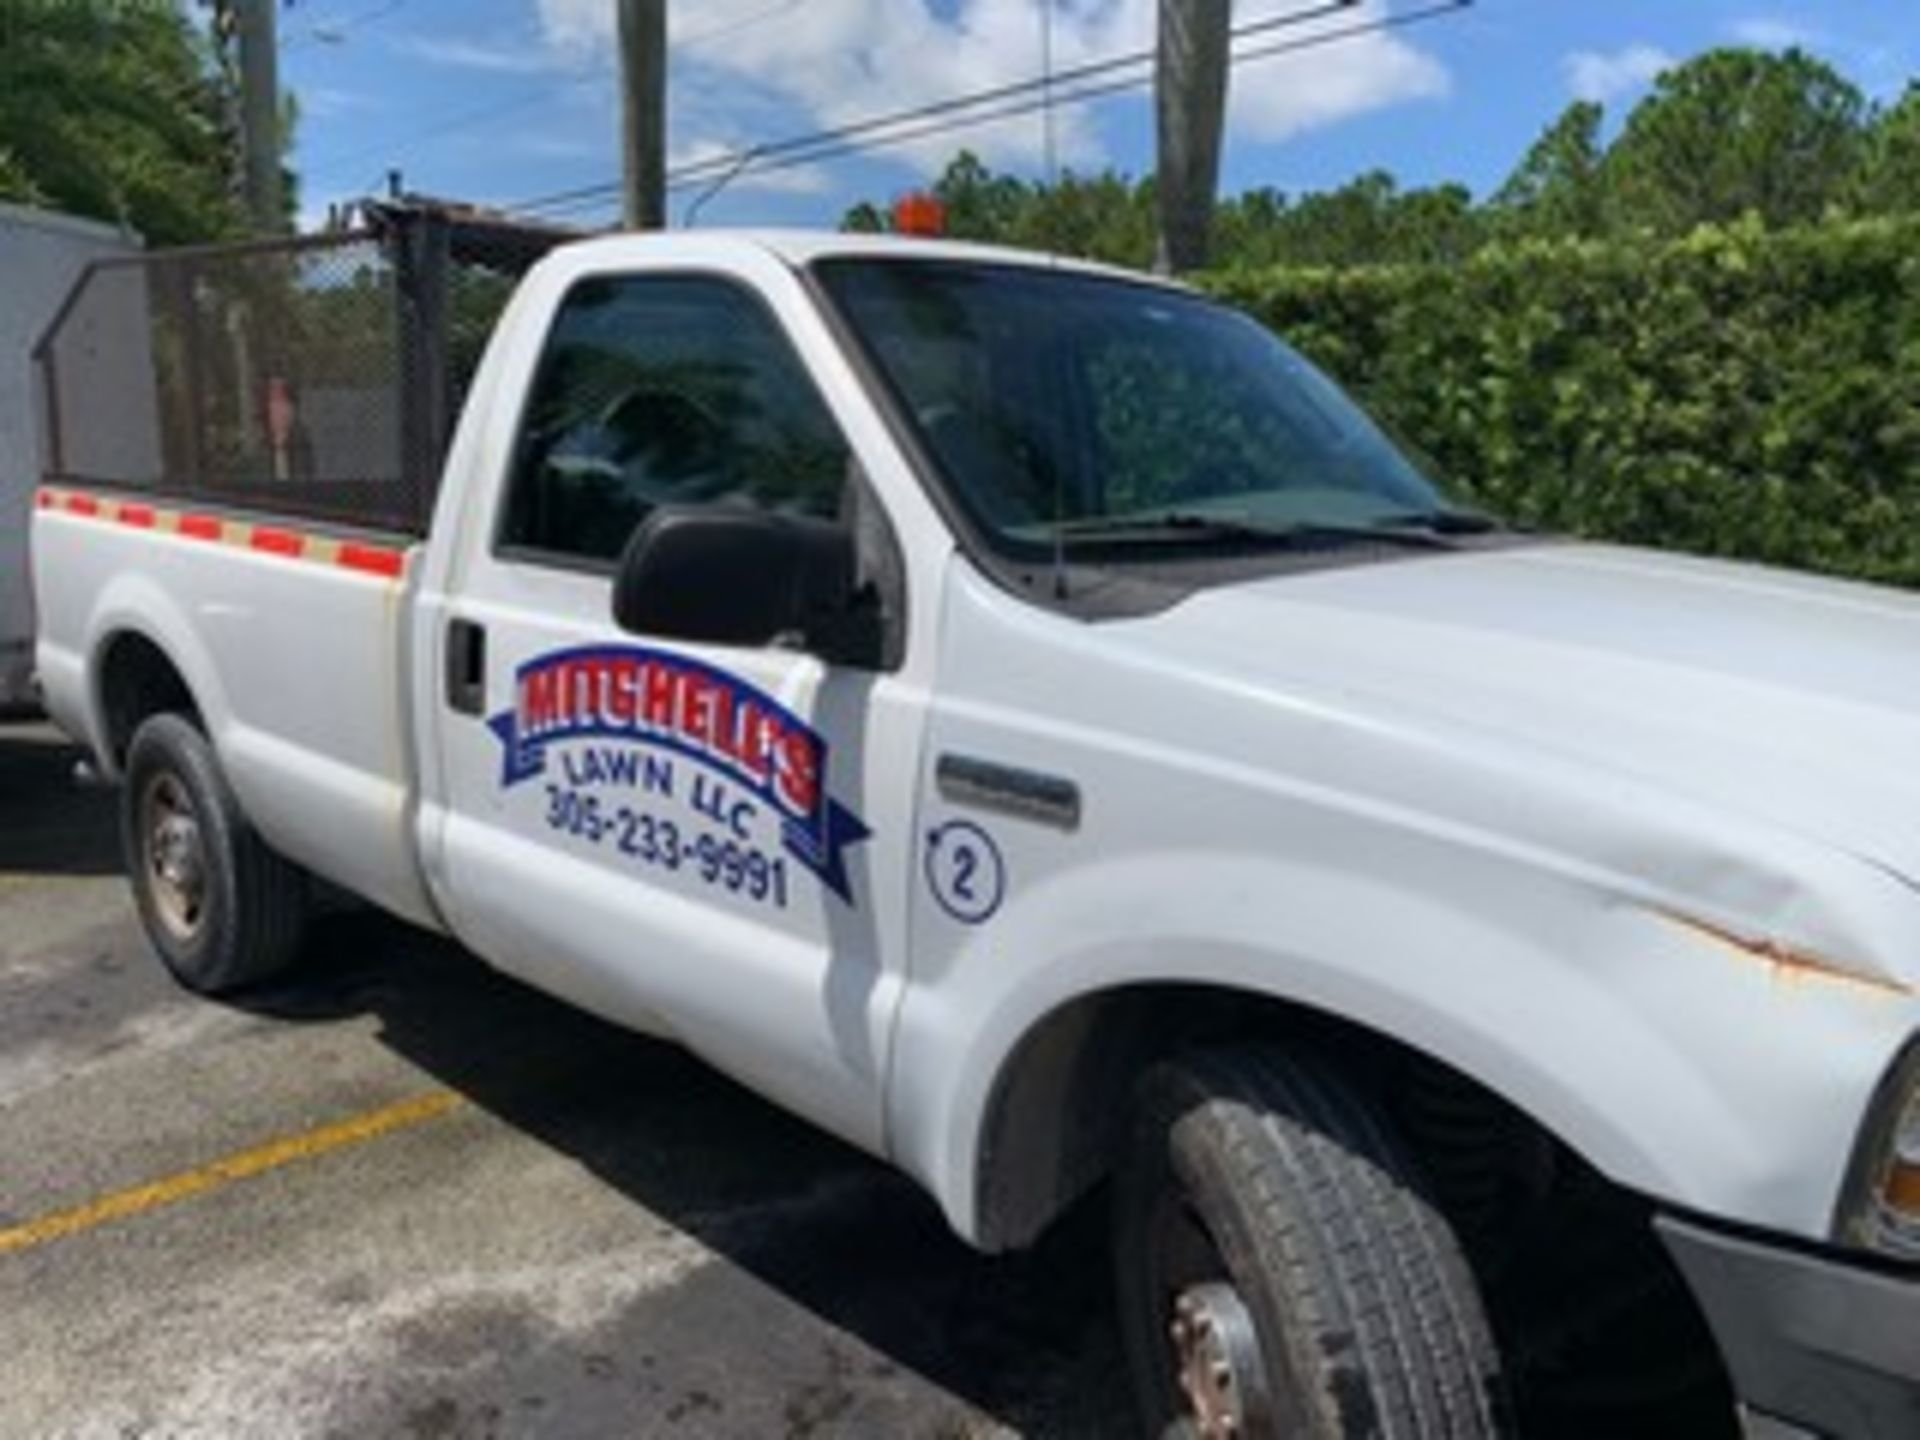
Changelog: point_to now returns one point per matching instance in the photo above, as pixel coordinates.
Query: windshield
(1079, 410)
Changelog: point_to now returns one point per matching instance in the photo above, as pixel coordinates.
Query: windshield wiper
(1193, 527)
(1443, 522)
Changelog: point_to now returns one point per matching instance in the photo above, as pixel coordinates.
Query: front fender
(1676, 1063)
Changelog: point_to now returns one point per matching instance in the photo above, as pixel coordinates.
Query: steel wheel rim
(1219, 1372)
(173, 854)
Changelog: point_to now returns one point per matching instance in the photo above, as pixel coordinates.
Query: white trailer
(41, 254)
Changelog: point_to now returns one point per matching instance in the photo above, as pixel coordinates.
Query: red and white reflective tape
(387, 561)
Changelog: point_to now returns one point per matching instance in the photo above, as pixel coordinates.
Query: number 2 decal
(965, 871)
(966, 860)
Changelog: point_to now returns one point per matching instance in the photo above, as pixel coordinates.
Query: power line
(333, 34)
(1117, 87)
(745, 22)
(528, 98)
(692, 213)
(828, 145)
(952, 104)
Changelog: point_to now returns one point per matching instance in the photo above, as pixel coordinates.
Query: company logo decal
(747, 751)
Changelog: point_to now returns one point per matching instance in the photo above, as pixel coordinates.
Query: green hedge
(1738, 393)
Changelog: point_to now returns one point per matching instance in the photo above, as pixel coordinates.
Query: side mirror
(746, 577)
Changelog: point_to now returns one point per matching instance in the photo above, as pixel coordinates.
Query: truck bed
(310, 724)
(243, 442)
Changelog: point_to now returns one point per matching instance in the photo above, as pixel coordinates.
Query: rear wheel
(221, 908)
(1280, 1270)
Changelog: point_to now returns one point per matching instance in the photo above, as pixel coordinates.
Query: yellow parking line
(242, 1165)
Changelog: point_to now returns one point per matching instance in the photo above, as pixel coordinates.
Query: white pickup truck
(1022, 718)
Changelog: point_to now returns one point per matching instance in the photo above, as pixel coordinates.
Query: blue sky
(501, 101)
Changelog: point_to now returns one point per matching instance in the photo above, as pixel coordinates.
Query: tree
(1245, 227)
(15, 184)
(1367, 221)
(1560, 187)
(865, 218)
(114, 111)
(1734, 132)
(1101, 217)
(1433, 225)
(1112, 217)
(1344, 226)
(1889, 178)
(980, 204)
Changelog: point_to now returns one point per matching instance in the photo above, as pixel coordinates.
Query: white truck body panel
(41, 254)
(1373, 842)
(1514, 809)
(809, 1018)
(311, 727)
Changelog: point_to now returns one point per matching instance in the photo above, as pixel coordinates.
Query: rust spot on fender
(1787, 962)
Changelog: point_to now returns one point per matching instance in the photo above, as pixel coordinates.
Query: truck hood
(1775, 698)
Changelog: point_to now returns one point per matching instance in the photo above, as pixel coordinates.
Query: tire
(223, 911)
(1269, 1224)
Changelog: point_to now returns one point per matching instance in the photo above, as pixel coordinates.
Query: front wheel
(223, 910)
(1280, 1271)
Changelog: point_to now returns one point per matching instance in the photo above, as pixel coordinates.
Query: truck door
(705, 841)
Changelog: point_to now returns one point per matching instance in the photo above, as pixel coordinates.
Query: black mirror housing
(744, 577)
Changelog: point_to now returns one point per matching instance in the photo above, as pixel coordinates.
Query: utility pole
(643, 113)
(253, 22)
(1190, 95)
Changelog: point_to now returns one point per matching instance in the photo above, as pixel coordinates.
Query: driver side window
(665, 389)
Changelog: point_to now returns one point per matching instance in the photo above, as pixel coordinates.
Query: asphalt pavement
(405, 1196)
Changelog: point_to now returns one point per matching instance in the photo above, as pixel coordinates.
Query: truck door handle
(466, 667)
(1026, 794)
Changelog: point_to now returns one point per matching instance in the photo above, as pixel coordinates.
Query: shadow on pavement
(1026, 1339)
(49, 823)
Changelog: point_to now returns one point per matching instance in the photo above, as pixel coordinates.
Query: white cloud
(1769, 33)
(1596, 76)
(840, 61)
(581, 22)
(1322, 85)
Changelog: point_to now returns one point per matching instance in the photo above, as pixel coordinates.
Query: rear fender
(132, 604)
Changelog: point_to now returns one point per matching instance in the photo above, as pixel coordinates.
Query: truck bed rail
(316, 376)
